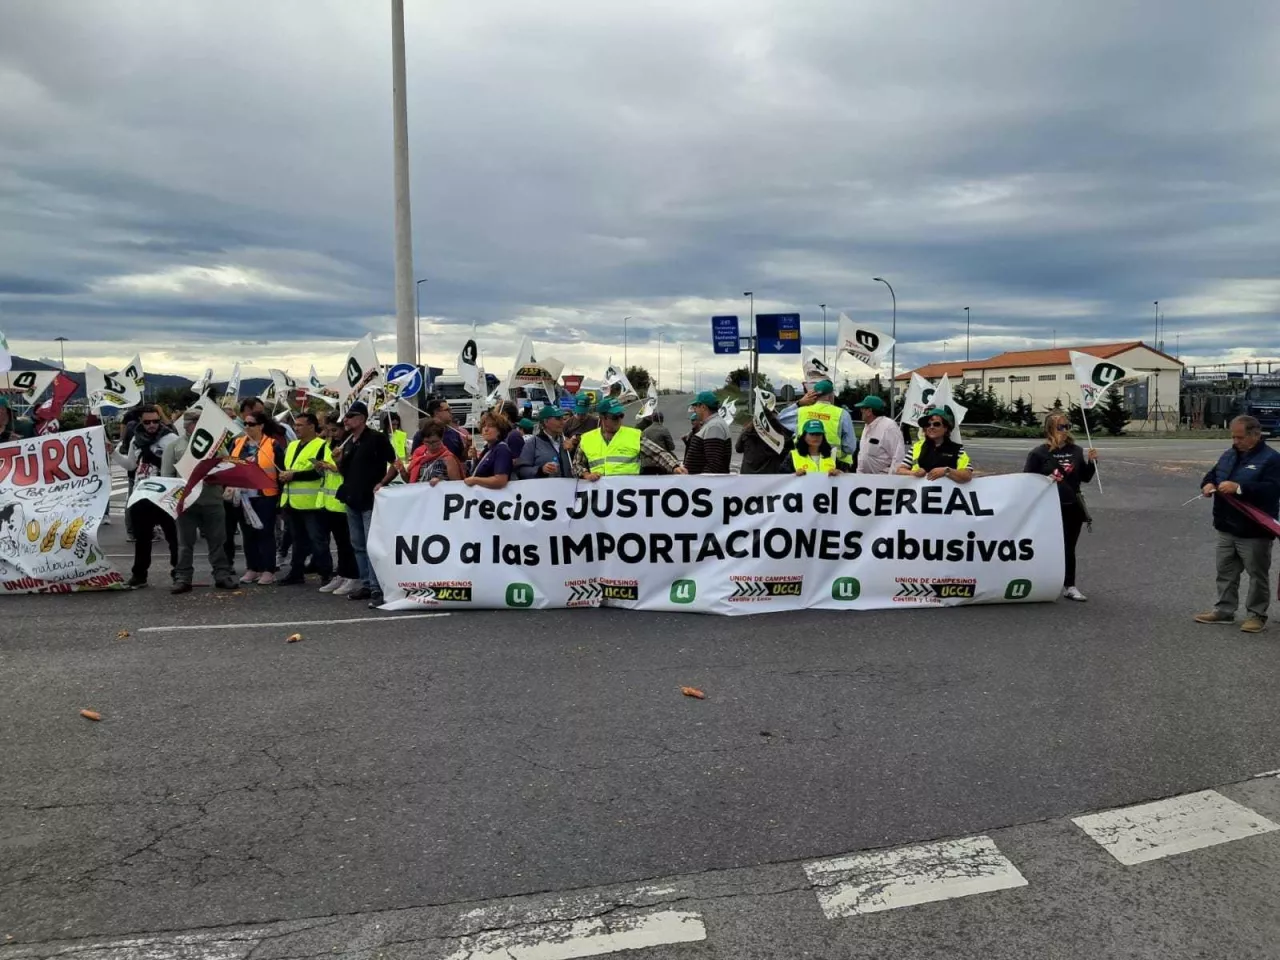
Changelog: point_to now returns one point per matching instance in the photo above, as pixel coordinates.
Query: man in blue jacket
(1250, 470)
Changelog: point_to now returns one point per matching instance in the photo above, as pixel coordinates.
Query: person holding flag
(144, 455)
(1063, 461)
(302, 499)
(1245, 486)
(818, 404)
(257, 508)
(200, 518)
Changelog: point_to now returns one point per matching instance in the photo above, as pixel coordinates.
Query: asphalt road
(432, 785)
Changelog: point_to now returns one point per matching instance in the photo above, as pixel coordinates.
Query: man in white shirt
(881, 448)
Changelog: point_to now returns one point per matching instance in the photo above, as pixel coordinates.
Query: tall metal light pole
(405, 340)
(417, 298)
(624, 343)
(824, 332)
(755, 351)
(1157, 339)
(680, 389)
(659, 386)
(966, 334)
(893, 362)
(62, 350)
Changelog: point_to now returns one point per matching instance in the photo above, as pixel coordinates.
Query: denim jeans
(310, 542)
(358, 523)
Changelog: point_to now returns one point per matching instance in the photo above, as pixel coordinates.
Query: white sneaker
(348, 587)
(332, 585)
(1071, 593)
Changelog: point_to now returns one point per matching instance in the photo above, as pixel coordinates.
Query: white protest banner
(729, 545)
(764, 424)
(53, 492)
(528, 371)
(313, 381)
(1096, 376)
(134, 372)
(6, 358)
(361, 369)
(918, 399)
(164, 492)
(815, 368)
(650, 405)
(616, 385)
(469, 368)
(110, 389)
(213, 430)
(728, 410)
(283, 383)
(201, 385)
(942, 398)
(863, 343)
(32, 383)
(232, 392)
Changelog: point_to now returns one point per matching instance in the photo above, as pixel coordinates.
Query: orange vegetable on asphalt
(693, 692)
(91, 714)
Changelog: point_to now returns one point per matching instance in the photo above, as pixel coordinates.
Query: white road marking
(288, 623)
(175, 946)
(1150, 831)
(584, 938)
(924, 873)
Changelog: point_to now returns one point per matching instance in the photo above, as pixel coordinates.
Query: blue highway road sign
(778, 332)
(724, 335)
(414, 385)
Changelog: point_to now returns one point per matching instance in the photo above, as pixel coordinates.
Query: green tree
(1115, 415)
(174, 398)
(1078, 415)
(736, 377)
(640, 379)
(1021, 414)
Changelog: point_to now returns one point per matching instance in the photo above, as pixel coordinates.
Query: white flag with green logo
(6, 358)
(201, 385)
(1096, 376)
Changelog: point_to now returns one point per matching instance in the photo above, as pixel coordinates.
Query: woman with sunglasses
(256, 509)
(1069, 466)
(935, 455)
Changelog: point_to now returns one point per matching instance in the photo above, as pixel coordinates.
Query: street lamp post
(1156, 341)
(417, 297)
(893, 362)
(62, 350)
(824, 333)
(966, 334)
(680, 389)
(659, 386)
(624, 343)
(755, 351)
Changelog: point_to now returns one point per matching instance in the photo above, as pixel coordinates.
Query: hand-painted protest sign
(729, 545)
(53, 493)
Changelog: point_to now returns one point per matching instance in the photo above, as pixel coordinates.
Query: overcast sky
(210, 180)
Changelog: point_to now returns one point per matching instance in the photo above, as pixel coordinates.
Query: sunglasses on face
(252, 423)
(150, 423)
(1061, 427)
(935, 423)
(610, 416)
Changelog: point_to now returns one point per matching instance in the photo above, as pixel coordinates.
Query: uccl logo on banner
(1105, 374)
(519, 595)
(684, 591)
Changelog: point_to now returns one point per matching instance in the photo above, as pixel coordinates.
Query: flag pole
(1084, 418)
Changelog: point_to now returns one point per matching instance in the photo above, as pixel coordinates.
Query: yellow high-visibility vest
(400, 443)
(618, 457)
(329, 487)
(828, 414)
(804, 462)
(302, 494)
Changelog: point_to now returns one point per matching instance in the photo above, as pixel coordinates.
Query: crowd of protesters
(325, 472)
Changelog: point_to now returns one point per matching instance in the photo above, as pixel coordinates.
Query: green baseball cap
(870, 403)
(548, 412)
(525, 423)
(813, 426)
(581, 403)
(610, 408)
(946, 416)
(824, 386)
(706, 398)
